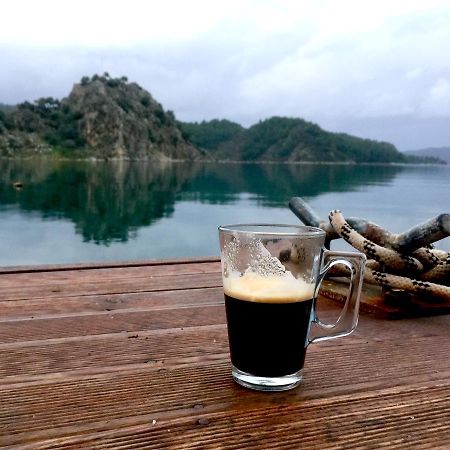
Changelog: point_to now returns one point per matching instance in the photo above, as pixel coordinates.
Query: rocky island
(112, 118)
(102, 117)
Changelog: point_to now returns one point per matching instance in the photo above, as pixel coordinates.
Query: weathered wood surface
(136, 356)
(387, 305)
(420, 235)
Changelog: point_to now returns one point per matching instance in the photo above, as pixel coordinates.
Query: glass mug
(271, 278)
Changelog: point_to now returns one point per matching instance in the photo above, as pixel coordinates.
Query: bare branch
(423, 234)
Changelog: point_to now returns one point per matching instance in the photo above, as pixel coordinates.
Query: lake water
(94, 211)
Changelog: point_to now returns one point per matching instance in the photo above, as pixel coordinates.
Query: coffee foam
(254, 287)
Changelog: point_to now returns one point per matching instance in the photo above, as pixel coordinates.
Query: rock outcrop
(122, 120)
(102, 117)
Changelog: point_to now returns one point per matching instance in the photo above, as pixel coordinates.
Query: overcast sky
(377, 69)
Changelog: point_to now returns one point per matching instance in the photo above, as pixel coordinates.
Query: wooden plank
(90, 287)
(85, 304)
(110, 322)
(155, 371)
(40, 268)
(205, 306)
(389, 418)
(37, 357)
(387, 305)
(327, 373)
(104, 274)
(377, 329)
(97, 354)
(96, 403)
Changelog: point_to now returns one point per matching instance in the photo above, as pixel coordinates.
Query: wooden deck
(136, 356)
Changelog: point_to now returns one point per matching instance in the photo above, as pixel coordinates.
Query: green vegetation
(439, 154)
(210, 135)
(364, 150)
(103, 117)
(416, 159)
(57, 123)
(6, 122)
(291, 139)
(109, 117)
(5, 108)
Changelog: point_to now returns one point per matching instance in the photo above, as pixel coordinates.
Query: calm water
(92, 211)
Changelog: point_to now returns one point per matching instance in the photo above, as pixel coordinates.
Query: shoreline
(212, 161)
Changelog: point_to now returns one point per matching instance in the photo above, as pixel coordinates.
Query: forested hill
(289, 140)
(112, 118)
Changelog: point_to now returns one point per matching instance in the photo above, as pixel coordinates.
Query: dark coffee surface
(267, 339)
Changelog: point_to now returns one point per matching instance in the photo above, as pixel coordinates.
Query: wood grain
(136, 356)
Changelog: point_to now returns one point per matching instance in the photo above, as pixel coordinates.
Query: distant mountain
(287, 139)
(103, 117)
(442, 153)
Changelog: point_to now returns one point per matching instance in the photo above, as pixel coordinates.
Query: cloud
(437, 101)
(328, 61)
(362, 74)
(104, 23)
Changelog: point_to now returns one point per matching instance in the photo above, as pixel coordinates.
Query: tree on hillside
(210, 135)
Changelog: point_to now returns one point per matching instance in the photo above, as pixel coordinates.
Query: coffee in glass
(271, 276)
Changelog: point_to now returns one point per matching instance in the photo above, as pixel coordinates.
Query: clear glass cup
(271, 278)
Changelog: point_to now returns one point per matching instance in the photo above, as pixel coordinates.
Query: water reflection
(109, 201)
(275, 184)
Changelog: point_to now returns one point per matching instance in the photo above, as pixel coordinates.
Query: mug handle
(348, 318)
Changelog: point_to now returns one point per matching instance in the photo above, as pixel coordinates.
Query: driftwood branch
(309, 217)
(423, 234)
(304, 212)
(419, 236)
